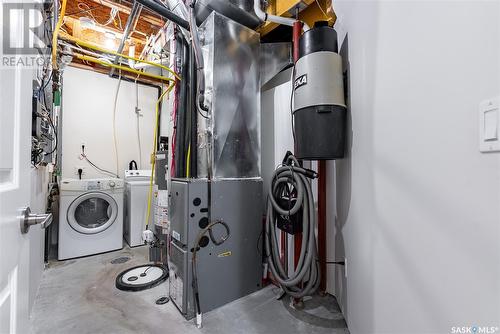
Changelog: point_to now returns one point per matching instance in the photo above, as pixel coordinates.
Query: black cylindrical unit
(319, 107)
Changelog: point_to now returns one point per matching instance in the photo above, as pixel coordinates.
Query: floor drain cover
(162, 300)
(119, 260)
(141, 277)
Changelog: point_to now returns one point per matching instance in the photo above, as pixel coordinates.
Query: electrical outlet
(84, 169)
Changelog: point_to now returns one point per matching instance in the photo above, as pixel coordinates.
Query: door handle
(28, 219)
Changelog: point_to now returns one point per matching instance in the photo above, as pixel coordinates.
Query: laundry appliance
(137, 184)
(90, 216)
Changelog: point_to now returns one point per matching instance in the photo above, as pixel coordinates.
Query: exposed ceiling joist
(310, 11)
(283, 8)
(155, 20)
(105, 70)
(318, 11)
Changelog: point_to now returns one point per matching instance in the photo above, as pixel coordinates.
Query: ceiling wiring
(321, 8)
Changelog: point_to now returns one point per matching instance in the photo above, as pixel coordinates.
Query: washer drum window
(92, 213)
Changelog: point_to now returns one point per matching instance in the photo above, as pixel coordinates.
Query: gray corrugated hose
(306, 277)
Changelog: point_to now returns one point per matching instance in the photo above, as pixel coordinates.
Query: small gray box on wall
(161, 169)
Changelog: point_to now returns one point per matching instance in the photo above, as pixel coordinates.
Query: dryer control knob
(112, 184)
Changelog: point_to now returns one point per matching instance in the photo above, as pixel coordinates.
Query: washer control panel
(91, 184)
(137, 175)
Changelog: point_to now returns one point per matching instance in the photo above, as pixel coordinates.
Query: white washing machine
(136, 205)
(90, 217)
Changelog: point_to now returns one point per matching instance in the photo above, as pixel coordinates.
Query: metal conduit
(164, 12)
(131, 21)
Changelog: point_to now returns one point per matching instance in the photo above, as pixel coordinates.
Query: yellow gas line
(56, 33)
(100, 49)
(153, 155)
(123, 68)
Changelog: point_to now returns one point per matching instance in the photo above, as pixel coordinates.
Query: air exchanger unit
(319, 104)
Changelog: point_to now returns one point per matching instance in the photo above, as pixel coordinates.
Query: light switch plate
(489, 125)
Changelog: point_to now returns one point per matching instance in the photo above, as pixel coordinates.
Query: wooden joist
(145, 16)
(310, 11)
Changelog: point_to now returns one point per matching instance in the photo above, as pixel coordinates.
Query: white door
(15, 148)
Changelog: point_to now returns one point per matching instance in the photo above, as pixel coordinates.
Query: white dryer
(136, 205)
(90, 217)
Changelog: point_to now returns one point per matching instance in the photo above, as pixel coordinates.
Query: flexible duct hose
(306, 277)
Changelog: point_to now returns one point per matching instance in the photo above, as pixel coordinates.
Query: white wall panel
(417, 204)
(87, 117)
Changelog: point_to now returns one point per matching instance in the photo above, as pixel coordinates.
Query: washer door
(92, 212)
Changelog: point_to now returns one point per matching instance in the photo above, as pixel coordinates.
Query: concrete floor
(79, 296)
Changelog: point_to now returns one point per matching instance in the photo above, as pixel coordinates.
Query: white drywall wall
(417, 205)
(87, 117)
(276, 127)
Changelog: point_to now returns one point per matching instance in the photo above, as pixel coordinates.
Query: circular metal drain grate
(119, 260)
(141, 277)
(162, 300)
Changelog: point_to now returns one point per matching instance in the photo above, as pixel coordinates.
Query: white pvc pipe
(274, 18)
(140, 66)
(131, 53)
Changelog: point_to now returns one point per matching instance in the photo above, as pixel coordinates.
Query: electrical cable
(174, 116)
(56, 33)
(112, 15)
(46, 115)
(321, 8)
(199, 315)
(216, 242)
(121, 55)
(84, 156)
(188, 160)
(55, 135)
(123, 68)
(115, 142)
(292, 80)
(153, 154)
(138, 115)
(89, 9)
(198, 55)
(305, 279)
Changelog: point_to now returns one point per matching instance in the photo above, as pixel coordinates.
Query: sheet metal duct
(233, 92)
(240, 11)
(274, 57)
(164, 12)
